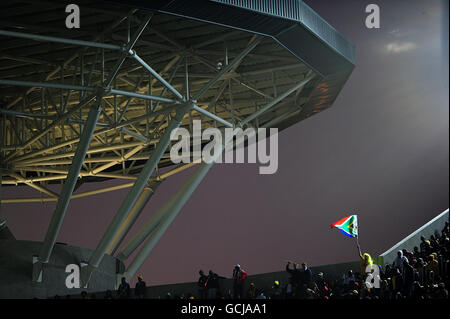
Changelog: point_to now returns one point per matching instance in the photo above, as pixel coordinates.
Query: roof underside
(198, 36)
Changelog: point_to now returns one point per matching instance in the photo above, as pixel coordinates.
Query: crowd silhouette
(422, 273)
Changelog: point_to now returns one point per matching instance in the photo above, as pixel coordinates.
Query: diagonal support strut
(132, 196)
(66, 192)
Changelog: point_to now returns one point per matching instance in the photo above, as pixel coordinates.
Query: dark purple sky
(382, 152)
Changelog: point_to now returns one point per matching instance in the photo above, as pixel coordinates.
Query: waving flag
(348, 225)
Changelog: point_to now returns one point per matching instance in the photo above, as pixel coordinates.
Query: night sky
(381, 152)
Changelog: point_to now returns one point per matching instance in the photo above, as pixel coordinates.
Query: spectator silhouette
(295, 276)
(251, 292)
(213, 285)
(124, 289)
(276, 291)
(139, 289)
(306, 275)
(108, 294)
(408, 275)
(261, 295)
(239, 276)
(202, 282)
(322, 289)
(399, 261)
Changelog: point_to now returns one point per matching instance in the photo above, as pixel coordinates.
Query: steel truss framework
(100, 102)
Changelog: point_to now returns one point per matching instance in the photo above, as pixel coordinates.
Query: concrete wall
(5, 233)
(16, 270)
(434, 225)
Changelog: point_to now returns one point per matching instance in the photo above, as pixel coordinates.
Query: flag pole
(357, 240)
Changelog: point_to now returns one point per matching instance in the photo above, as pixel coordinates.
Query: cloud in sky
(400, 47)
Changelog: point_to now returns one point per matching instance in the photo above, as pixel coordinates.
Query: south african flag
(348, 225)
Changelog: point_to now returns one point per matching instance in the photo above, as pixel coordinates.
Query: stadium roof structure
(99, 102)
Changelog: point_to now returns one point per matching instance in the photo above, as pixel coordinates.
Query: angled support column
(147, 229)
(138, 207)
(5, 233)
(180, 199)
(176, 203)
(132, 195)
(151, 224)
(66, 192)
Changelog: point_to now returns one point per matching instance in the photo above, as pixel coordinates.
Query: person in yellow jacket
(365, 260)
(433, 264)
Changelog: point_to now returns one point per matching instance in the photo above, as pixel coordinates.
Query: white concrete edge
(414, 233)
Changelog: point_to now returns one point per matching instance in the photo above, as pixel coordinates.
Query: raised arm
(359, 250)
